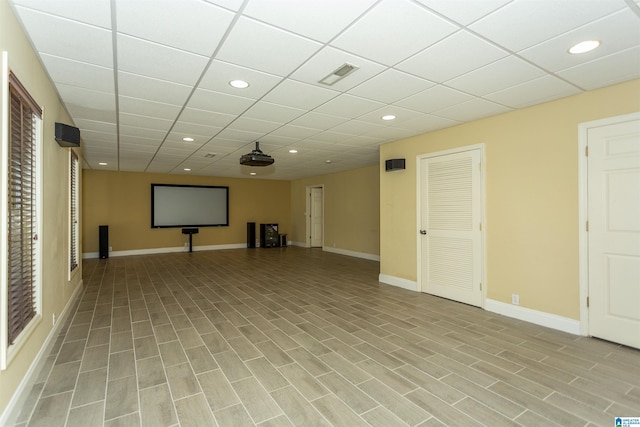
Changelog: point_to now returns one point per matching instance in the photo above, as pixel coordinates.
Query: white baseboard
(301, 244)
(541, 318)
(411, 285)
(355, 254)
(151, 251)
(12, 411)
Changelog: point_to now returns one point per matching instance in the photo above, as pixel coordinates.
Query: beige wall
(56, 289)
(351, 210)
(122, 200)
(531, 197)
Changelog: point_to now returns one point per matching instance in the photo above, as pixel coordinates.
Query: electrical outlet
(53, 319)
(515, 299)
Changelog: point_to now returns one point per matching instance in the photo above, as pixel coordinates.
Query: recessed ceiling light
(239, 84)
(389, 117)
(187, 169)
(103, 163)
(292, 151)
(187, 139)
(327, 161)
(252, 173)
(585, 46)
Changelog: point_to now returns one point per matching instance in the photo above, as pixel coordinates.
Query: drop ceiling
(138, 76)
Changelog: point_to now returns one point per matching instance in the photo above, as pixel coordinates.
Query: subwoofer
(103, 237)
(251, 234)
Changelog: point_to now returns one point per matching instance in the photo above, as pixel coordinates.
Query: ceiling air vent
(339, 74)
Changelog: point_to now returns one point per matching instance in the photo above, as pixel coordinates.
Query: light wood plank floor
(292, 336)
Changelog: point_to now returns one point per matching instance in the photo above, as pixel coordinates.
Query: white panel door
(316, 217)
(451, 236)
(614, 232)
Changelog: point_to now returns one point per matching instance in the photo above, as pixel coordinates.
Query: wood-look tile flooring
(292, 336)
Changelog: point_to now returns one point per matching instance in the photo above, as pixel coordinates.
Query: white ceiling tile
(278, 140)
(533, 92)
(138, 141)
(472, 110)
(220, 73)
(273, 112)
(464, 11)
(87, 125)
(141, 87)
(390, 86)
(74, 73)
(90, 136)
(197, 26)
(139, 148)
(303, 17)
(142, 132)
(68, 39)
(463, 52)
(330, 137)
(402, 114)
(348, 106)
(219, 102)
(210, 118)
(94, 12)
(239, 135)
(145, 121)
(270, 49)
(413, 28)
(522, 24)
(227, 4)
(82, 112)
(616, 32)
(435, 98)
(499, 75)
(357, 127)
(87, 98)
(329, 60)
(612, 69)
(300, 95)
(197, 131)
(318, 121)
(294, 132)
(148, 59)
(254, 125)
(428, 123)
(150, 108)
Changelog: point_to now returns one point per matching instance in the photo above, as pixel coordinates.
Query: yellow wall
(122, 200)
(531, 197)
(351, 210)
(56, 289)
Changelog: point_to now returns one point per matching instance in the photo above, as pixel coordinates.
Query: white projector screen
(189, 206)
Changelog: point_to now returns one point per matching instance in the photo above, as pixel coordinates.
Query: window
(22, 205)
(73, 212)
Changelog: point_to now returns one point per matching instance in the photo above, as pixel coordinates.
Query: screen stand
(190, 232)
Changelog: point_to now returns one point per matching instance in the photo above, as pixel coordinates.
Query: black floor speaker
(251, 234)
(103, 237)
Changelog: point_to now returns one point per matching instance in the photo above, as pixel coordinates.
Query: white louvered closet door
(451, 237)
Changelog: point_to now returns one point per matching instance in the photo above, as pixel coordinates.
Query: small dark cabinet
(269, 237)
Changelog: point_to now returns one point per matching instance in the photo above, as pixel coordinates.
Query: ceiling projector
(256, 158)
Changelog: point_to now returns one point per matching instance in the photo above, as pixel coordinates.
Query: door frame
(483, 214)
(583, 210)
(307, 239)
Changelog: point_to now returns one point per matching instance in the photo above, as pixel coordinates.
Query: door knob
(423, 231)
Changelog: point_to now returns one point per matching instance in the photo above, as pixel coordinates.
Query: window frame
(74, 213)
(9, 351)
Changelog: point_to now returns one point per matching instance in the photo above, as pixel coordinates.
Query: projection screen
(189, 206)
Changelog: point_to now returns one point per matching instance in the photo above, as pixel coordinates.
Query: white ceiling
(139, 75)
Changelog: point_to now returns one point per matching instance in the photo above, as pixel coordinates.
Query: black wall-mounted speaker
(394, 165)
(67, 136)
